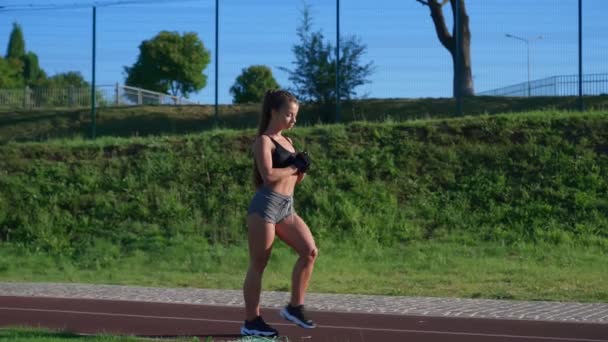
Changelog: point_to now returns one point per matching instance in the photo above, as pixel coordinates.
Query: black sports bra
(281, 157)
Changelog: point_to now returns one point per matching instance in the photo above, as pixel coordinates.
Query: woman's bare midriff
(284, 186)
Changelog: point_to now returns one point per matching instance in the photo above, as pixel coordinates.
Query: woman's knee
(258, 264)
(309, 254)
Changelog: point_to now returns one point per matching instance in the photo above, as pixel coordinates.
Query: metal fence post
(71, 100)
(117, 92)
(337, 60)
(93, 92)
(457, 75)
(26, 96)
(581, 104)
(217, 58)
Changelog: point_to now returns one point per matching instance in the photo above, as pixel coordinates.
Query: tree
(10, 77)
(170, 62)
(26, 63)
(461, 65)
(252, 84)
(33, 75)
(21, 68)
(16, 43)
(68, 79)
(314, 76)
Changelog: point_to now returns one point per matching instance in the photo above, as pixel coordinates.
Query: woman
(278, 167)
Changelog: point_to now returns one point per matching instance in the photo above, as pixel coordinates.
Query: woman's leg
(260, 235)
(294, 231)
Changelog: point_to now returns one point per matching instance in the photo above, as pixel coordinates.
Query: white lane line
(320, 326)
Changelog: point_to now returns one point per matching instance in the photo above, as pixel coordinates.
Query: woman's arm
(262, 151)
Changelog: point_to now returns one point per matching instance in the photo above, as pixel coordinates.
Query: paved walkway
(422, 306)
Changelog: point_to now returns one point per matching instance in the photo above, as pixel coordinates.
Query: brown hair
(273, 99)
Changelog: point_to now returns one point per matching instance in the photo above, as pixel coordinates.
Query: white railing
(563, 85)
(75, 97)
(126, 95)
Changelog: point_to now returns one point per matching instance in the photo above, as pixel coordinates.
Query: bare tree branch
(462, 66)
(426, 2)
(441, 28)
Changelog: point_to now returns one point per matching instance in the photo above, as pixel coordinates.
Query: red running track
(87, 316)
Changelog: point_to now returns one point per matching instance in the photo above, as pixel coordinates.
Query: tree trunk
(464, 67)
(448, 40)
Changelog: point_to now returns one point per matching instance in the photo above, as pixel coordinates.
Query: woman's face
(288, 114)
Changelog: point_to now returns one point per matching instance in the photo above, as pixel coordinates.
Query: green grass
(537, 177)
(47, 335)
(44, 335)
(176, 120)
(492, 206)
(448, 269)
(25, 334)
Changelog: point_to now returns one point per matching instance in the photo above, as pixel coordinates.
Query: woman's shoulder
(262, 141)
(260, 137)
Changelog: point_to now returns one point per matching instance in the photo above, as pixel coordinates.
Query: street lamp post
(527, 41)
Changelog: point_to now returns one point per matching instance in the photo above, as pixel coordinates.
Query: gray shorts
(271, 205)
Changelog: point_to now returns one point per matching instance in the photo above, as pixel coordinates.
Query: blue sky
(399, 34)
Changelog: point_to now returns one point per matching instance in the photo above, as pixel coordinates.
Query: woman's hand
(301, 176)
(302, 161)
